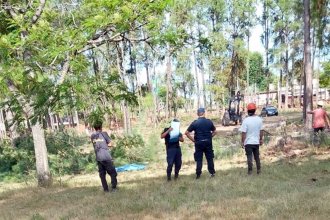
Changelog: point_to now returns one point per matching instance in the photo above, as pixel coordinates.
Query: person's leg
(111, 170)
(257, 157)
(102, 173)
(178, 162)
(209, 154)
(171, 152)
(248, 152)
(198, 156)
(317, 135)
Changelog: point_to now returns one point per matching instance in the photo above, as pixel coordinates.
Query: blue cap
(201, 110)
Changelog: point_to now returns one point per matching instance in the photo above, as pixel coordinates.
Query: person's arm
(107, 139)
(327, 120)
(163, 135)
(310, 112)
(243, 130)
(181, 138)
(214, 132)
(187, 133)
(243, 137)
(261, 141)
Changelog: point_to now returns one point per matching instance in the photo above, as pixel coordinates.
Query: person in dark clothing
(101, 143)
(204, 131)
(173, 152)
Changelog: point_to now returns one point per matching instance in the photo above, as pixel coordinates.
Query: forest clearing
(223, 105)
(294, 184)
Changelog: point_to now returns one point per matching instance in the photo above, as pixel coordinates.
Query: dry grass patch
(288, 189)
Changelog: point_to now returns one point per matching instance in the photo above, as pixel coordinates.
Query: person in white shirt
(252, 137)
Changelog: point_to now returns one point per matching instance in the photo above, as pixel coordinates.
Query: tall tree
(308, 87)
(43, 56)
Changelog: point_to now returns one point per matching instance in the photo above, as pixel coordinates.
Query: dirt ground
(272, 121)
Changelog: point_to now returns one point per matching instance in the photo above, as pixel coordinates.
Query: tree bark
(203, 83)
(169, 92)
(43, 173)
(197, 81)
(266, 27)
(120, 55)
(279, 96)
(308, 89)
(286, 67)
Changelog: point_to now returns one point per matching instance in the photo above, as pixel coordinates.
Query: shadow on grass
(281, 191)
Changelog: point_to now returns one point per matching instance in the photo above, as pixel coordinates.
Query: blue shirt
(203, 129)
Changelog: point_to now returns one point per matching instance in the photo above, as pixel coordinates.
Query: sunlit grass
(284, 190)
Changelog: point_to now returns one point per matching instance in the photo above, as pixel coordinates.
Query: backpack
(101, 148)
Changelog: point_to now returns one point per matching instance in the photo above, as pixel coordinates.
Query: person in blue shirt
(173, 152)
(204, 131)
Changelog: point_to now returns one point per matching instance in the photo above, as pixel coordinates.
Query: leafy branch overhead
(55, 42)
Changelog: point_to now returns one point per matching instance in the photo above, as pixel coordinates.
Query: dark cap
(176, 120)
(200, 110)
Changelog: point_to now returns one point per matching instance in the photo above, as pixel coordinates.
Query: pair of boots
(250, 172)
(176, 176)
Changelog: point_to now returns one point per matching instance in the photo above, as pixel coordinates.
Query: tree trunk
(308, 92)
(120, 55)
(279, 96)
(44, 176)
(155, 96)
(2, 125)
(210, 93)
(286, 101)
(146, 63)
(317, 76)
(266, 27)
(286, 67)
(203, 83)
(280, 89)
(169, 97)
(197, 81)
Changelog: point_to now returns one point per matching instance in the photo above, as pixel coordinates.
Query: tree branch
(38, 12)
(64, 71)
(9, 9)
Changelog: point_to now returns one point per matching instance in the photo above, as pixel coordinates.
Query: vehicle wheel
(276, 114)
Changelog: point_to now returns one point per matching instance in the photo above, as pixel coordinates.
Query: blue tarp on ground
(130, 167)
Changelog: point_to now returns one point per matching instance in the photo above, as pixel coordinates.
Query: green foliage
(325, 75)
(66, 150)
(147, 101)
(130, 147)
(257, 72)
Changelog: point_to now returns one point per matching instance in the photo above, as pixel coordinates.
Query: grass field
(286, 189)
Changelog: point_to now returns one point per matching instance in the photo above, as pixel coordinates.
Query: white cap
(320, 103)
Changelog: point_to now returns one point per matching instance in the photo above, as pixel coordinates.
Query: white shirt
(251, 126)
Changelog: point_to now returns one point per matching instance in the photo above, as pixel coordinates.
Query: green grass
(284, 190)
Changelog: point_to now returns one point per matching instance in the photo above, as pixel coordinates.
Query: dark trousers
(316, 137)
(252, 150)
(317, 130)
(174, 157)
(204, 147)
(107, 167)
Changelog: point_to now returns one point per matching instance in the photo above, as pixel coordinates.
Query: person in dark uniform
(101, 143)
(204, 131)
(173, 151)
